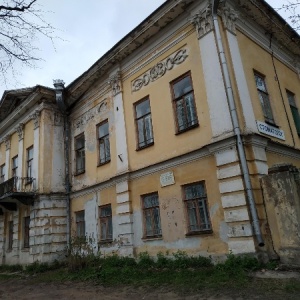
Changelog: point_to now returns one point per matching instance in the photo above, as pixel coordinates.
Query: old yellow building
(164, 144)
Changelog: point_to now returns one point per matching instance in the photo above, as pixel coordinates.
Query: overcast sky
(87, 29)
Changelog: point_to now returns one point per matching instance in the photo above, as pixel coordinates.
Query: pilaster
(48, 219)
(221, 123)
(7, 155)
(120, 131)
(20, 131)
(233, 198)
(124, 217)
(36, 146)
(229, 18)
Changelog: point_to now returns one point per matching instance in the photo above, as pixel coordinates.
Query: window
(264, 98)
(26, 232)
(105, 223)
(80, 224)
(144, 123)
(29, 163)
(195, 200)
(80, 154)
(294, 109)
(151, 215)
(10, 234)
(103, 140)
(14, 166)
(184, 104)
(2, 173)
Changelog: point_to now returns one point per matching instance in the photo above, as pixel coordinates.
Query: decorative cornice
(229, 18)
(7, 141)
(116, 84)
(203, 21)
(20, 131)
(36, 118)
(159, 69)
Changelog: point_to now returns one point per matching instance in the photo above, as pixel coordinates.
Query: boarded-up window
(106, 231)
(26, 231)
(10, 234)
(80, 224)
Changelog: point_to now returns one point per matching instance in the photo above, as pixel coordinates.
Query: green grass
(177, 271)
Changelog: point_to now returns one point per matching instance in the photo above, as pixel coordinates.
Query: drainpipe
(236, 127)
(59, 88)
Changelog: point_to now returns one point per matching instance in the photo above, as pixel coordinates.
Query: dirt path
(24, 289)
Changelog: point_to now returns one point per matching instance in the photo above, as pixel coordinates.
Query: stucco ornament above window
(159, 69)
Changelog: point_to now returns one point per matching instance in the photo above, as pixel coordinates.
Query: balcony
(17, 190)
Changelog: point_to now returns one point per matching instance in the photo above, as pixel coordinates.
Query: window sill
(144, 147)
(187, 129)
(152, 238)
(271, 124)
(25, 249)
(193, 233)
(104, 163)
(79, 173)
(104, 242)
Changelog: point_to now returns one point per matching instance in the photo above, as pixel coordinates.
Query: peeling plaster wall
(96, 107)
(48, 229)
(282, 193)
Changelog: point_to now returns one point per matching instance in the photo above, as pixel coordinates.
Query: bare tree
(292, 9)
(21, 23)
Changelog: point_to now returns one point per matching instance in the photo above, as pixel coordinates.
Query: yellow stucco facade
(161, 145)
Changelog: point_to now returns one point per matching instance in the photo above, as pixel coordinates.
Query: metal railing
(17, 185)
